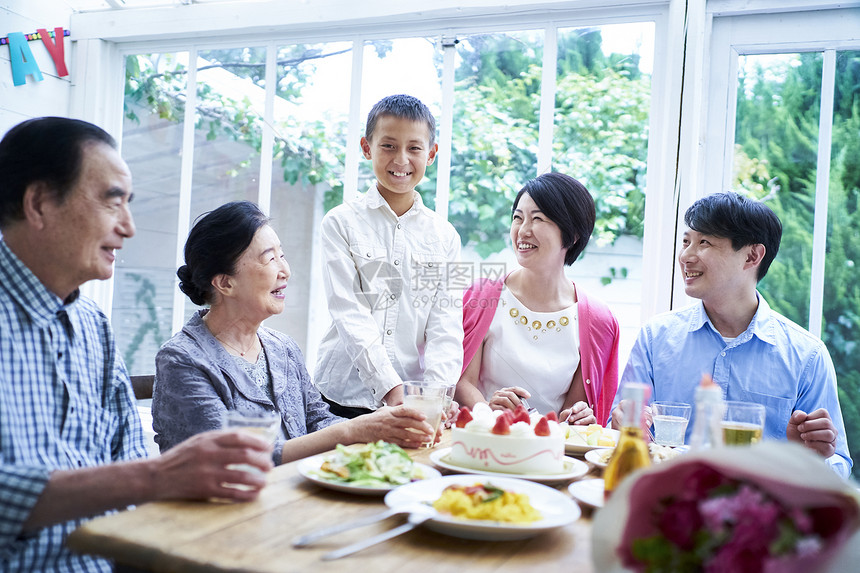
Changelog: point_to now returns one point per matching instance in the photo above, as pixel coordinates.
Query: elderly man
(71, 443)
(753, 353)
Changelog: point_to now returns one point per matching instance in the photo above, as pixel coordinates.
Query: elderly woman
(223, 359)
(534, 337)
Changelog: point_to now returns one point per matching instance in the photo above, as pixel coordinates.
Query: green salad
(377, 464)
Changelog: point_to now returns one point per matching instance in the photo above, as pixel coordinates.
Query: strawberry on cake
(509, 442)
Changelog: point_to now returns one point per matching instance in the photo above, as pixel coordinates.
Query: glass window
(776, 147)
(841, 276)
(311, 115)
(494, 145)
(151, 145)
(600, 133)
(231, 96)
(775, 160)
(600, 137)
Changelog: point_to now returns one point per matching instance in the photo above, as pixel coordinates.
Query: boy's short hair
(568, 204)
(742, 220)
(403, 106)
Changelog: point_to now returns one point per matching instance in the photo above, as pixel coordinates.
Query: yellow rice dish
(487, 502)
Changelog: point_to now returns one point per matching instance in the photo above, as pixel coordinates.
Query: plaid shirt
(65, 402)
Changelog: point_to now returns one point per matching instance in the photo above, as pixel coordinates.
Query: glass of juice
(427, 398)
(670, 422)
(743, 423)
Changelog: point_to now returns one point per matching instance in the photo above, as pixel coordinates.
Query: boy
(385, 258)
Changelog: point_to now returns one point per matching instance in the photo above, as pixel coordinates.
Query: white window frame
(115, 34)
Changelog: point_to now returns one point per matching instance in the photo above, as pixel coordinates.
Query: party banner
(22, 59)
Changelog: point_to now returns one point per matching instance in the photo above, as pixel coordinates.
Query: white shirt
(538, 351)
(395, 314)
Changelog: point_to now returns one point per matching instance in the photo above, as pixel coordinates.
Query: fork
(308, 538)
(418, 515)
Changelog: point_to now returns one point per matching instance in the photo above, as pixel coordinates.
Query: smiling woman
(534, 335)
(225, 360)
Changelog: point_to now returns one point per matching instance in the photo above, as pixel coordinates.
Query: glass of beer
(743, 423)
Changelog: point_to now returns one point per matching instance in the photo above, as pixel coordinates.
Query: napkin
(774, 506)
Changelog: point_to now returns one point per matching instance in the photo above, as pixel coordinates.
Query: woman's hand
(508, 398)
(399, 425)
(579, 414)
(449, 417)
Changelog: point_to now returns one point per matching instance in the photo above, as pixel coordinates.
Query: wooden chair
(143, 386)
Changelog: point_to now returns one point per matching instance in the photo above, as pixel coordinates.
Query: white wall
(50, 96)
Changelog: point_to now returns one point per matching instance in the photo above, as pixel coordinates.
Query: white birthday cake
(504, 441)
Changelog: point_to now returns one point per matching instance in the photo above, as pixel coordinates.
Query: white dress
(538, 351)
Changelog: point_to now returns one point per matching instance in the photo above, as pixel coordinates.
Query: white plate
(588, 491)
(596, 456)
(572, 469)
(577, 448)
(556, 509)
(308, 466)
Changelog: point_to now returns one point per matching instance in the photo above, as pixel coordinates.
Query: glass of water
(427, 398)
(670, 422)
(263, 424)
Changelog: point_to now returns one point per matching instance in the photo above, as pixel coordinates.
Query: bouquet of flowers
(774, 507)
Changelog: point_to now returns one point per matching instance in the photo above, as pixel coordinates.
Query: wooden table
(200, 536)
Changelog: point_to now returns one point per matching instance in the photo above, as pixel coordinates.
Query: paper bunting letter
(23, 62)
(56, 48)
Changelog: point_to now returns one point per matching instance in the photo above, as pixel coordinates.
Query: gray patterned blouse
(197, 380)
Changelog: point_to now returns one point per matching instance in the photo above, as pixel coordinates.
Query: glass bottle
(708, 422)
(631, 452)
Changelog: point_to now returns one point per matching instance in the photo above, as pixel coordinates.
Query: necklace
(239, 350)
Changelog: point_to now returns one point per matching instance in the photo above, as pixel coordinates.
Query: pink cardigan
(598, 340)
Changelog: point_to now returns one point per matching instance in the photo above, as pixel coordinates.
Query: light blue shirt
(65, 402)
(774, 362)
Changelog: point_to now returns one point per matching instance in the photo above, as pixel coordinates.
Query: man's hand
(815, 431)
(508, 398)
(617, 420)
(197, 468)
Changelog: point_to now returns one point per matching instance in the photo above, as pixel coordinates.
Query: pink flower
(679, 522)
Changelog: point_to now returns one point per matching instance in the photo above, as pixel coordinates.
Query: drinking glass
(670, 422)
(263, 424)
(446, 405)
(743, 423)
(427, 398)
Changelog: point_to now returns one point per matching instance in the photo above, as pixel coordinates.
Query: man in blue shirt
(71, 443)
(753, 353)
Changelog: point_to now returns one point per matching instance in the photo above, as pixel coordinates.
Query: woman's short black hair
(214, 246)
(568, 204)
(742, 220)
(44, 149)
